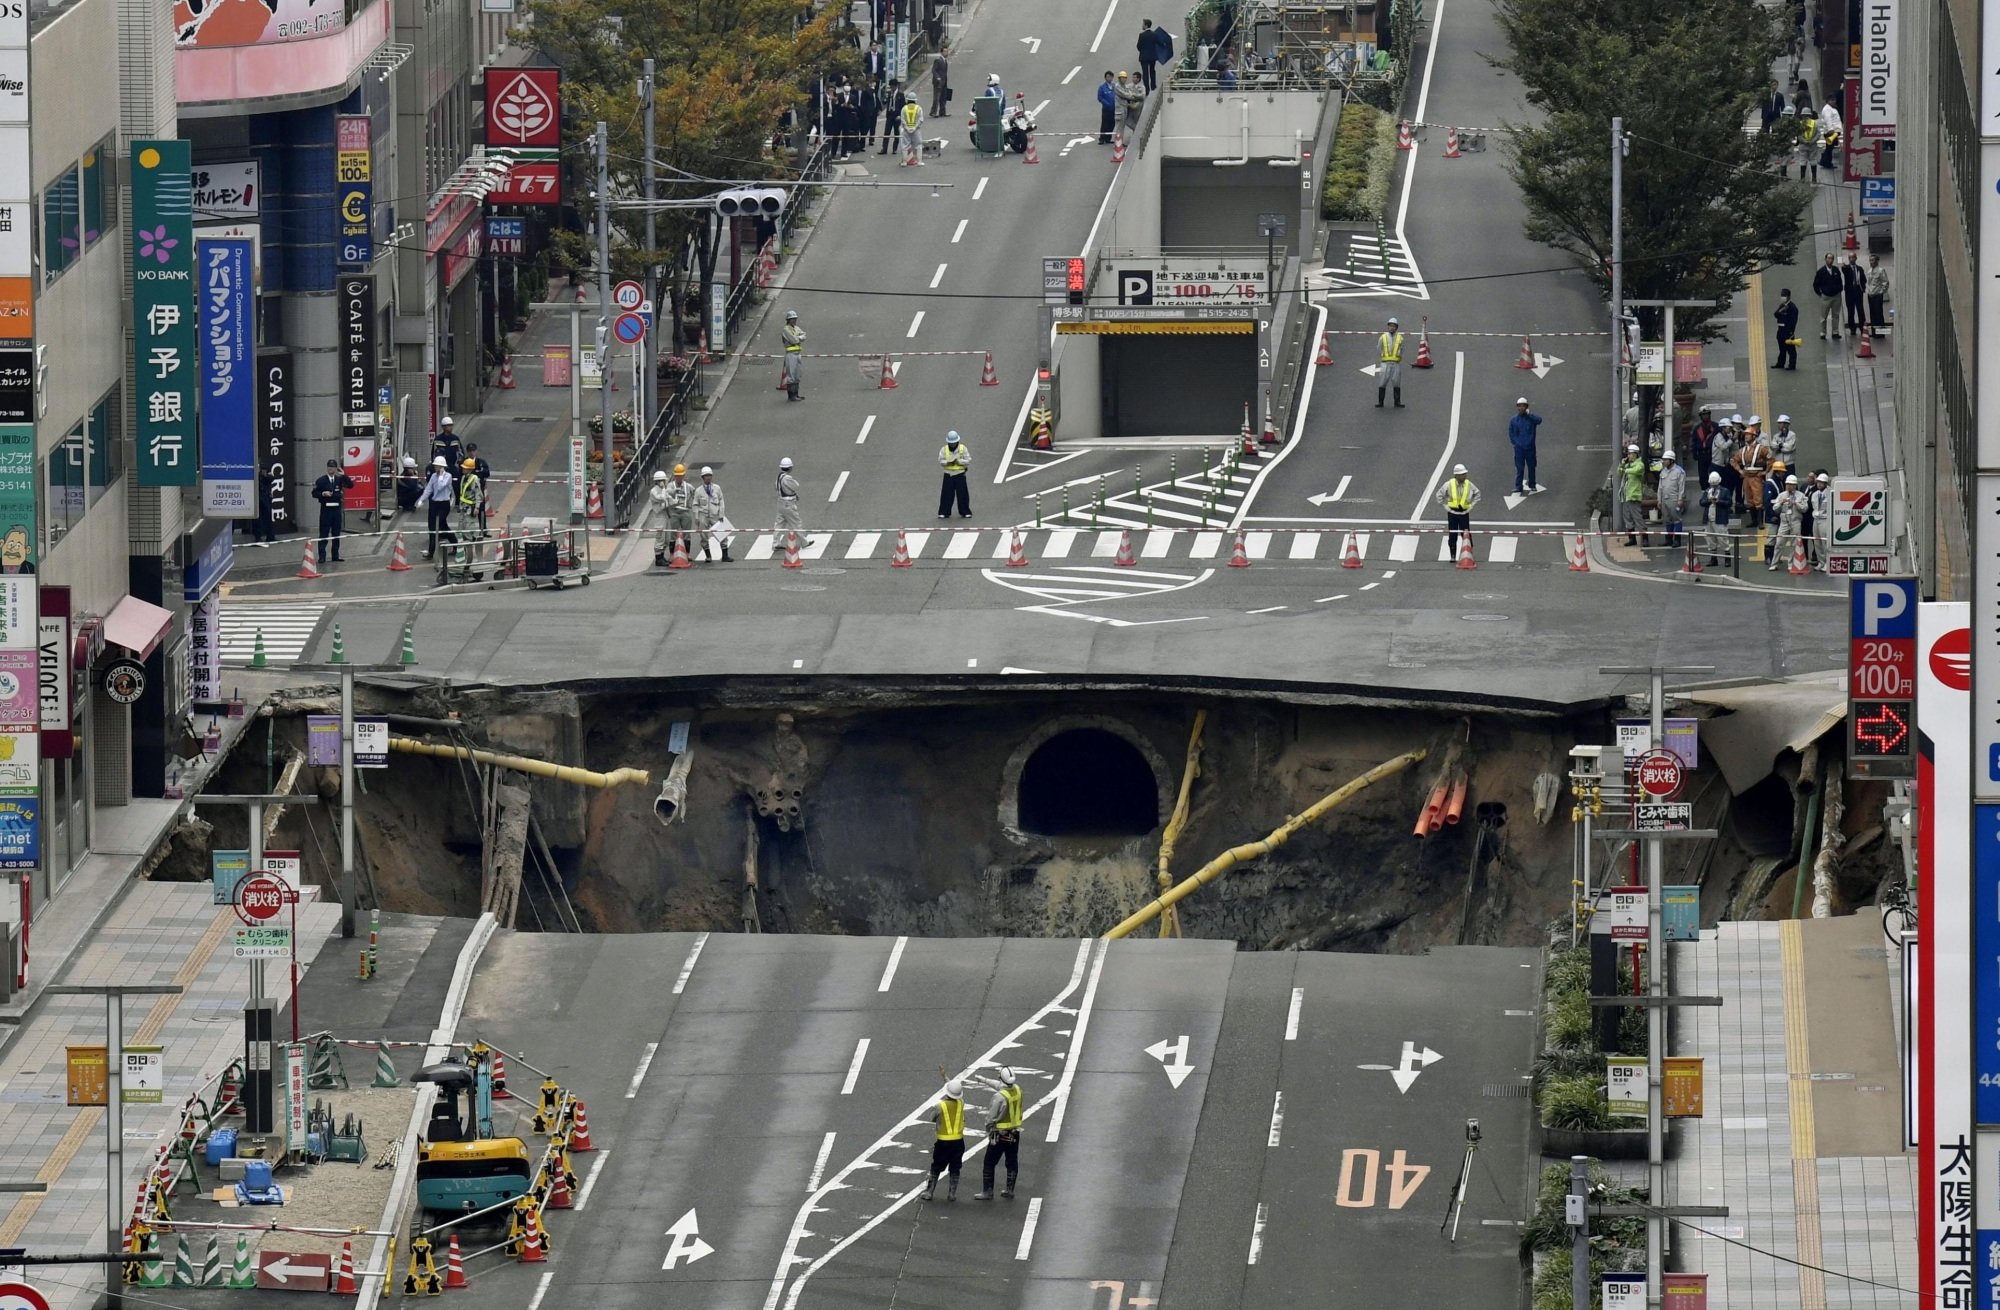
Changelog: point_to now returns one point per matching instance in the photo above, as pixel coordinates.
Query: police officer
(954, 459)
(795, 344)
(328, 491)
(436, 500)
(1003, 1132)
(1391, 364)
(789, 518)
(1458, 495)
(948, 1152)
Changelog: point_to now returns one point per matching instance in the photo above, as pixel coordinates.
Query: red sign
(1687, 361)
(1883, 667)
(260, 898)
(529, 184)
(524, 108)
(22, 1295)
(294, 1271)
(1684, 1291)
(1658, 773)
(357, 460)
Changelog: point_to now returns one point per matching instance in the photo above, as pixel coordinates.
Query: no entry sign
(1659, 773)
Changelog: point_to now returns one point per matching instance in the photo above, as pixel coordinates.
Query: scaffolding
(1288, 45)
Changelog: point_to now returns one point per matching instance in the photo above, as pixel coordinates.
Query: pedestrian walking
(1670, 492)
(711, 517)
(1790, 505)
(1878, 294)
(1390, 366)
(1632, 497)
(1132, 98)
(485, 472)
(794, 338)
(948, 1151)
(954, 459)
(789, 518)
(913, 132)
(940, 84)
(1715, 521)
(1753, 462)
(1458, 496)
(1829, 286)
(1107, 104)
(329, 492)
(1521, 436)
(436, 500)
(1149, 58)
(1787, 314)
(1003, 1132)
(1854, 287)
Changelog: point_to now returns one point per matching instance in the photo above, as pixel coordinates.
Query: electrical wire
(1782, 1258)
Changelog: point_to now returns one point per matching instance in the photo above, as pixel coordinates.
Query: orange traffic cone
(1044, 435)
(500, 1066)
(531, 1243)
(579, 1135)
(1451, 143)
(1017, 558)
(1867, 350)
(1126, 559)
(792, 560)
(1465, 556)
(901, 559)
(1240, 557)
(1350, 553)
(1405, 140)
(310, 569)
(1118, 149)
(1423, 359)
(1849, 242)
(703, 357)
(1325, 352)
(399, 559)
(1031, 157)
(343, 1281)
(781, 377)
(593, 506)
(1527, 359)
(680, 559)
(1249, 442)
(454, 1265)
(506, 382)
(1800, 568)
(1579, 557)
(1269, 436)
(888, 382)
(559, 1196)
(987, 377)
(1693, 562)
(500, 552)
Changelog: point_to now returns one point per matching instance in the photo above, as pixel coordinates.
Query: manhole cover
(825, 573)
(1484, 618)
(801, 586)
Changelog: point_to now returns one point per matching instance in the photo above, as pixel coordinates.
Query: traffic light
(750, 202)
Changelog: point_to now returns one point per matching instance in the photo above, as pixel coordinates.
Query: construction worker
(789, 518)
(1752, 462)
(1390, 367)
(1819, 520)
(1715, 502)
(1790, 507)
(1003, 1132)
(913, 132)
(1671, 493)
(709, 516)
(445, 442)
(1722, 458)
(436, 500)
(948, 1152)
(471, 498)
(1783, 441)
(675, 499)
(1458, 495)
(1632, 496)
(1521, 436)
(954, 459)
(795, 344)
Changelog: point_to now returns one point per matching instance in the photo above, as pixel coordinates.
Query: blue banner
(20, 832)
(228, 385)
(1986, 963)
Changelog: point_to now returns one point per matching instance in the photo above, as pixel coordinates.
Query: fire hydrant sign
(144, 1078)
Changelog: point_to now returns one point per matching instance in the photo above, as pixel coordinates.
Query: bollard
(1173, 477)
(257, 657)
(374, 938)
(1065, 512)
(1136, 487)
(1149, 511)
(1097, 508)
(1206, 472)
(339, 655)
(1038, 509)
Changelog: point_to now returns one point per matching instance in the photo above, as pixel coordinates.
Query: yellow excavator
(461, 1166)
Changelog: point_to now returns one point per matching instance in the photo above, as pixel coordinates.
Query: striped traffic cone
(1405, 139)
(1017, 558)
(454, 1266)
(310, 569)
(343, 1281)
(987, 377)
(1579, 557)
(792, 560)
(1800, 566)
(1466, 559)
(680, 559)
(901, 559)
(241, 1275)
(385, 1068)
(1125, 558)
(1451, 150)
(409, 655)
(1240, 557)
(1325, 356)
(211, 1264)
(1350, 553)
(399, 559)
(579, 1133)
(339, 656)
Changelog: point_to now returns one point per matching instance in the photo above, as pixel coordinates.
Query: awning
(137, 625)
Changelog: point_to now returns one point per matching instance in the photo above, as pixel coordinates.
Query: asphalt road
(776, 1090)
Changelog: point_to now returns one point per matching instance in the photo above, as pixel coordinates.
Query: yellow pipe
(522, 764)
(1170, 924)
(1251, 850)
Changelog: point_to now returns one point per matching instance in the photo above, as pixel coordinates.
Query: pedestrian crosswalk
(1375, 263)
(287, 630)
(1206, 496)
(1296, 546)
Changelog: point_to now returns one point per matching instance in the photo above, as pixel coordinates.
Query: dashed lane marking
(1292, 1015)
(1277, 1118)
(687, 968)
(645, 1063)
(895, 958)
(819, 1162)
(854, 1069)
(1028, 1228)
(590, 1179)
(1257, 1231)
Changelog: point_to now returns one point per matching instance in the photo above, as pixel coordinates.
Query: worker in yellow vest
(1390, 366)
(1003, 1132)
(948, 1152)
(1458, 495)
(954, 459)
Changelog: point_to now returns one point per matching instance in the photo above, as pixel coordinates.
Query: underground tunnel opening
(1087, 782)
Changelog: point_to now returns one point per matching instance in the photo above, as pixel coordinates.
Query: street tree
(1705, 202)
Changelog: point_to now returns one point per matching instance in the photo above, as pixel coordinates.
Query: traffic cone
(1800, 568)
(703, 357)
(500, 552)
(500, 1092)
(1017, 558)
(1849, 242)
(792, 560)
(559, 1197)
(1269, 436)
(579, 1135)
(1451, 143)
(1044, 431)
(1405, 140)
(310, 569)
(1579, 557)
(506, 382)
(901, 559)
(680, 559)
(888, 382)
(1867, 350)
(1527, 359)
(1118, 149)
(593, 506)
(1350, 553)
(339, 656)
(1423, 359)
(408, 657)
(454, 1265)
(385, 1068)
(399, 559)
(1031, 157)
(531, 1243)
(1693, 562)
(987, 377)
(1125, 558)
(1249, 442)
(1240, 557)
(1465, 556)
(240, 1273)
(343, 1280)
(229, 1095)
(258, 659)
(1325, 356)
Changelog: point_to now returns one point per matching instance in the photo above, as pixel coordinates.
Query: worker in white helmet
(794, 338)
(1458, 495)
(789, 518)
(709, 517)
(948, 1152)
(1003, 1131)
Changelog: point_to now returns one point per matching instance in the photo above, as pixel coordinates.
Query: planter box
(1600, 1144)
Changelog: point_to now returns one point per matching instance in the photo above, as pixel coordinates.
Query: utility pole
(1576, 1213)
(1617, 298)
(651, 384)
(347, 897)
(608, 477)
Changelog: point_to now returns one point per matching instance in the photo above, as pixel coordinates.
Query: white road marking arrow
(1034, 44)
(1372, 369)
(1413, 1063)
(687, 1246)
(282, 1269)
(1325, 497)
(1177, 1069)
(1543, 363)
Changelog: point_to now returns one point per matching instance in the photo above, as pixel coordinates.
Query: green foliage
(1357, 175)
(1568, 970)
(1704, 202)
(1572, 1101)
(1569, 1022)
(1614, 1243)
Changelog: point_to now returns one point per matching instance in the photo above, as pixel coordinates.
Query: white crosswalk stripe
(286, 628)
(1207, 496)
(1303, 546)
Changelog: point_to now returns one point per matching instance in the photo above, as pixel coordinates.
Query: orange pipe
(1454, 807)
(1427, 819)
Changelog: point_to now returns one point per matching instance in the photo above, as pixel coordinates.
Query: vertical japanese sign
(205, 650)
(353, 177)
(57, 675)
(275, 450)
(17, 251)
(354, 296)
(163, 315)
(228, 389)
(524, 118)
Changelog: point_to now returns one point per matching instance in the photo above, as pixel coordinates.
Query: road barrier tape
(1501, 336)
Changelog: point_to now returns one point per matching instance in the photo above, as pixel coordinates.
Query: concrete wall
(1208, 124)
(1217, 208)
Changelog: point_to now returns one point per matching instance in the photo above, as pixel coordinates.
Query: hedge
(1357, 176)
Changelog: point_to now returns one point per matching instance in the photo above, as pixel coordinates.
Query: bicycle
(1899, 913)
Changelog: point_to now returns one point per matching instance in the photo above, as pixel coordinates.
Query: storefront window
(66, 490)
(102, 457)
(62, 224)
(100, 194)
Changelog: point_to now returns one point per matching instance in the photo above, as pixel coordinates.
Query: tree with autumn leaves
(724, 72)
